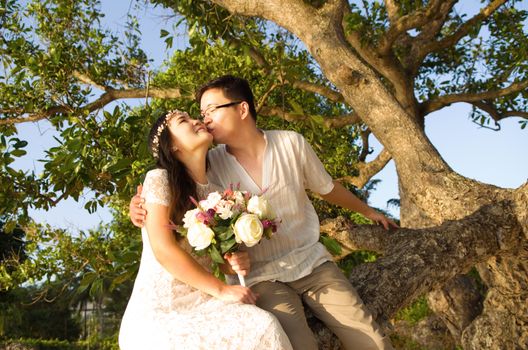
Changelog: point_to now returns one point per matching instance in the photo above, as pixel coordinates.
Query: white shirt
(289, 167)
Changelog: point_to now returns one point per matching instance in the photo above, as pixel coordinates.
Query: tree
(363, 66)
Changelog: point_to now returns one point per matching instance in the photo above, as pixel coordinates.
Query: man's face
(221, 115)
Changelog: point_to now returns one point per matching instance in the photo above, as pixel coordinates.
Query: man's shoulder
(284, 135)
(217, 151)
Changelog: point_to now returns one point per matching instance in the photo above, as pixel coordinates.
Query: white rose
(239, 197)
(248, 229)
(224, 209)
(211, 201)
(199, 236)
(260, 206)
(189, 219)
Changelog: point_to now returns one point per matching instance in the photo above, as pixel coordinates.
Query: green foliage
(481, 286)
(12, 254)
(107, 155)
(45, 46)
(23, 313)
(331, 244)
(499, 44)
(356, 258)
(402, 342)
(55, 344)
(417, 311)
(368, 19)
(492, 55)
(41, 344)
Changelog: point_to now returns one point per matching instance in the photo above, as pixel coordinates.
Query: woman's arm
(182, 265)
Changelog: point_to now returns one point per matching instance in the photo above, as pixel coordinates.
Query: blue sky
(498, 158)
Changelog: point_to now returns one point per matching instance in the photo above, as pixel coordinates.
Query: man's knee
(286, 305)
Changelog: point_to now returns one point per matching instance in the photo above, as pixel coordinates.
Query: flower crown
(154, 147)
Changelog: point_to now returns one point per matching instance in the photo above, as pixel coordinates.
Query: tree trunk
(457, 303)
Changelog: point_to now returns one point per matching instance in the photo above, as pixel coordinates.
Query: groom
(293, 267)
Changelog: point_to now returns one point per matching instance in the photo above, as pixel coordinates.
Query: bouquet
(223, 221)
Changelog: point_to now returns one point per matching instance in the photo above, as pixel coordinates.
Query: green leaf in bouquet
(224, 234)
(268, 232)
(226, 246)
(221, 222)
(215, 254)
(201, 252)
(216, 271)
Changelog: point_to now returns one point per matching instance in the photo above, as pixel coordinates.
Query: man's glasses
(211, 109)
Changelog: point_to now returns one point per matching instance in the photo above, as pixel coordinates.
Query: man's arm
(344, 198)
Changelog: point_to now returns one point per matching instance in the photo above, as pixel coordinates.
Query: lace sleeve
(156, 187)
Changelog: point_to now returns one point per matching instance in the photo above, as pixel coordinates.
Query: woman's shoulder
(155, 178)
(156, 173)
(155, 187)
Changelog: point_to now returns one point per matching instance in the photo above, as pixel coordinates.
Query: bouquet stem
(242, 280)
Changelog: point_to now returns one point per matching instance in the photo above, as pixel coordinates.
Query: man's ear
(244, 110)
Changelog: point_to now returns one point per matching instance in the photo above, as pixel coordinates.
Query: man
(292, 267)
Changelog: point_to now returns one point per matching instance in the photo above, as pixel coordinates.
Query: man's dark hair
(234, 88)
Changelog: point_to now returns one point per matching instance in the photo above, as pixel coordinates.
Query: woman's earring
(175, 149)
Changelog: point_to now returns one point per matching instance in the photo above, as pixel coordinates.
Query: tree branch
(393, 10)
(368, 170)
(365, 149)
(497, 115)
(322, 90)
(452, 39)
(264, 97)
(416, 261)
(87, 80)
(335, 122)
(436, 23)
(259, 59)
(413, 20)
(446, 100)
(107, 97)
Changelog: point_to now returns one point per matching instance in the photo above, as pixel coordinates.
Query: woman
(176, 302)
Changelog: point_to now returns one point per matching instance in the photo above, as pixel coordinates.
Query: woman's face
(188, 134)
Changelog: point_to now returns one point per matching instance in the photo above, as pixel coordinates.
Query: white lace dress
(164, 313)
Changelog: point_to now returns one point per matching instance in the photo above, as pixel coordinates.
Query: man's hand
(238, 263)
(135, 209)
(346, 199)
(379, 218)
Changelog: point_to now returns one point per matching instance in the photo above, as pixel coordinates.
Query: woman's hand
(237, 293)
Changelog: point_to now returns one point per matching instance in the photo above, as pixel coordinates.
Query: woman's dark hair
(181, 184)
(234, 88)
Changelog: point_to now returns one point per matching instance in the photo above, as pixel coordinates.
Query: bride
(176, 302)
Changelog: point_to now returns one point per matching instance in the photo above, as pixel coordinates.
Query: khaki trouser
(331, 297)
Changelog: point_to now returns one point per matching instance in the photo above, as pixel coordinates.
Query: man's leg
(331, 297)
(286, 305)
